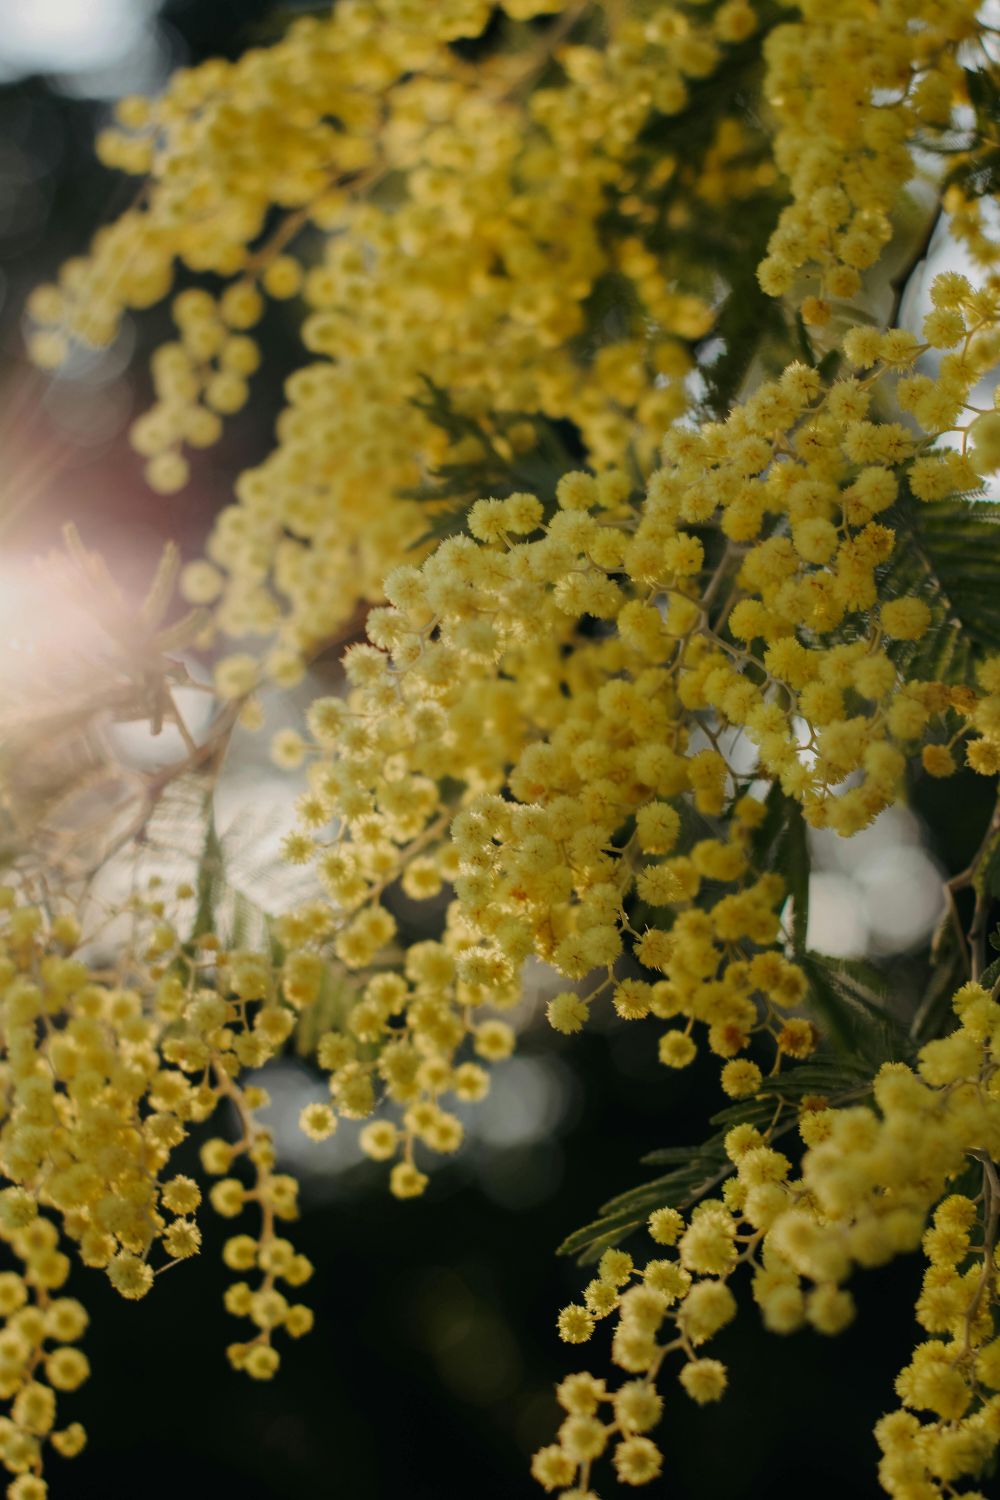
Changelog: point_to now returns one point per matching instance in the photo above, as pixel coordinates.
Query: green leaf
(794, 862)
(781, 843)
(961, 541)
(699, 1169)
(748, 318)
(209, 879)
(611, 312)
(991, 974)
(947, 972)
(453, 487)
(978, 177)
(947, 553)
(328, 1012)
(242, 883)
(828, 1075)
(982, 93)
(849, 998)
(450, 522)
(438, 406)
(704, 1167)
(989, 879)
(173, 837)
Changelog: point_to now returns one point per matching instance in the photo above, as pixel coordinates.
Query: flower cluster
(872, 1184)
(584, 677)
(437, 219)
(105, 1073)
(39, 1360)
(854, 90)
(573, 724)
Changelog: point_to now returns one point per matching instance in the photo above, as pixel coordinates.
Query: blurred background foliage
(429, 1373)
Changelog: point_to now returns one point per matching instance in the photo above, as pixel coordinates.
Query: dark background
(429, 1373)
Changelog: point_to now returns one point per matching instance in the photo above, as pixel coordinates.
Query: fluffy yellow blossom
(591, 726)
(491, 172)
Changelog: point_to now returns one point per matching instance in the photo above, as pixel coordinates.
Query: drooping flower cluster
(438, 218)
(106, 1072)
(576, 722)
(855, 90)
(484, 670)
(872, 1184)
